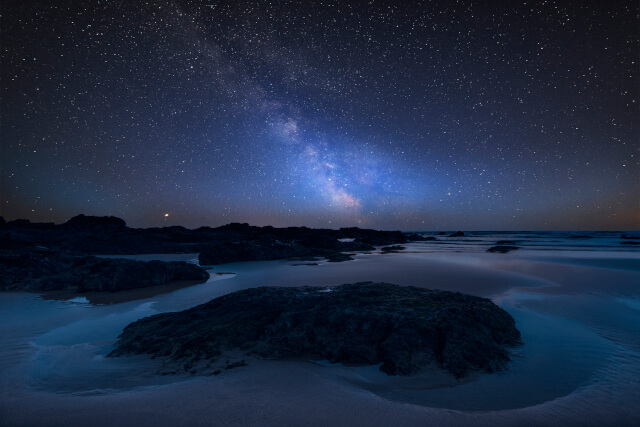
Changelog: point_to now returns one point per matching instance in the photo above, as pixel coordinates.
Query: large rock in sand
(402, 328)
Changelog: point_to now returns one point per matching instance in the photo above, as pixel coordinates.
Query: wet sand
(579, 366)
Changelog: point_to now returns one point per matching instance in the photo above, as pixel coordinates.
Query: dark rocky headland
(47, 256)
(404, 329)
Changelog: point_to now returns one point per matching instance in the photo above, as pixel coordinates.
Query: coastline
(303, 393)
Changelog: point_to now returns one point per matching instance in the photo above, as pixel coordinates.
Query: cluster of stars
(430, 115)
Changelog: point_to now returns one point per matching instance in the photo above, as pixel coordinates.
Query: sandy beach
(578, 315)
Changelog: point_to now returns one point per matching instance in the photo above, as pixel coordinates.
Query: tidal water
(575, 298)
(623, 242)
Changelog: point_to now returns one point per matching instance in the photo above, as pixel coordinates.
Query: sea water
(575, 298)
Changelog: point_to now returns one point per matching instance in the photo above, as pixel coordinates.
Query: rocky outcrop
(394, 248)
(629, 237)
(65, 245)
(264, 250)
(502, 249)
(86, 235)
(84, 222)
(457, 234)
(269, 247)
(48, 271)
(402, 328)
(339, 257)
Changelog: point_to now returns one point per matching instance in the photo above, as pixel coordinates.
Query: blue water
(480, 241)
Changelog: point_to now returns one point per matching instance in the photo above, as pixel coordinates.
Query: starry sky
(432, 115)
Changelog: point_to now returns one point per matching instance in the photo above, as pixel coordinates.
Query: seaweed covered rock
(261, 250)
(402, 328)
(48, 271)
(269, 247)
(394, 248)
(502, 249)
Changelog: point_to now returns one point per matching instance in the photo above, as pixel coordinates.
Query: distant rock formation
(86, 235)
(83, 222)
(339, 257)
(46, 256)
(394, 248)
(503, 249)
(402, 328)
(457, 234)
(269, 247)
(629, 237)
(225, 252)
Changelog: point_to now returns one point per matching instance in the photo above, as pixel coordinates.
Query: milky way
(425, 116)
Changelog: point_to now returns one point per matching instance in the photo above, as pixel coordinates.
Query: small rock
(394, 248)
(502, 249)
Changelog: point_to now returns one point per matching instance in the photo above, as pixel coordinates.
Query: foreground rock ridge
(402, 328)
(45, 256)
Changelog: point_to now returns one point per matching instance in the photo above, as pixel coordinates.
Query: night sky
(436, 115)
